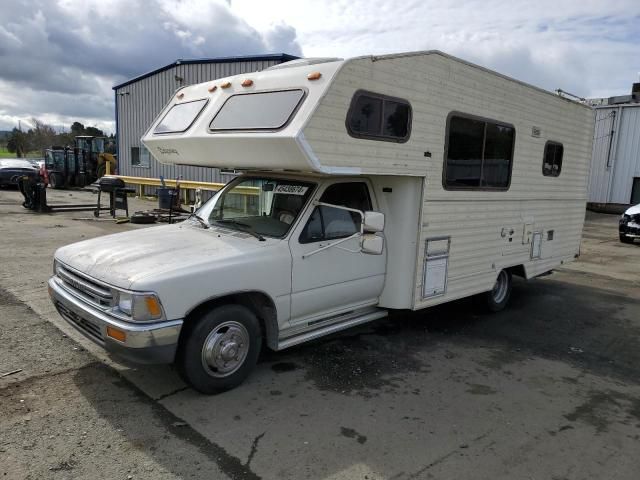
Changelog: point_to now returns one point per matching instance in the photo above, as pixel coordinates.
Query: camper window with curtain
(552, 160)
(479, 154)
(379, 117)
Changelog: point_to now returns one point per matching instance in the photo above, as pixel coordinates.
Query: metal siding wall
(600, 173)
(146, 99)
(627, 157)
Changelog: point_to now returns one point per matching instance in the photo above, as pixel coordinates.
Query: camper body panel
(487, 230)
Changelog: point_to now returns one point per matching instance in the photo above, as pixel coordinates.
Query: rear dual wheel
(497, 298)
(220, 349)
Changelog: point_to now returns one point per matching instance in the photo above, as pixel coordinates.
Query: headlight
(125, 303)
(141, 307)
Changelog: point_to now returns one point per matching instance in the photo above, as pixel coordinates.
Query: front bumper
(629, 228)
(144, 343)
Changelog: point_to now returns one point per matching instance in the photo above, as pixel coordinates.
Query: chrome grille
(88, 289)
(77, 320)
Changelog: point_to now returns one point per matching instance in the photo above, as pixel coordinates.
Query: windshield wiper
(245, 227)
(200, 219)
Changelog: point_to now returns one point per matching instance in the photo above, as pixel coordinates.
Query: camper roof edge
(390, 56)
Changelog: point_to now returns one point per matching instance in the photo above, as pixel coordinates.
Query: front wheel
(219, 351)
(625, 239)
(497, 298)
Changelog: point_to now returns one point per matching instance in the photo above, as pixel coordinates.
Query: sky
(59, 59)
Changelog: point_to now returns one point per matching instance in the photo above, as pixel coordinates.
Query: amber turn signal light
(153, 306)
(314, 76)
(116, 334)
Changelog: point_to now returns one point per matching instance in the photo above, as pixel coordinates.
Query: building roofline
(284, 57)
(616, 105)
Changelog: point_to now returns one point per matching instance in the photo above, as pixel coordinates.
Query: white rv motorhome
(370, 184)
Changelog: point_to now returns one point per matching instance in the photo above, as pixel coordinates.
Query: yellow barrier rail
(185, 185)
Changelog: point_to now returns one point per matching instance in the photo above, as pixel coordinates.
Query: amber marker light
(212, 88)
(247, 82)
(225, 85)
(116, 334)
(314, 76)
(180, 96)
(153, 306)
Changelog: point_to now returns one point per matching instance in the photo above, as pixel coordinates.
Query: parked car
(13, 168)
(629, 227)
(36, 162)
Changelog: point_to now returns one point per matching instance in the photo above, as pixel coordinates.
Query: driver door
(340, 278)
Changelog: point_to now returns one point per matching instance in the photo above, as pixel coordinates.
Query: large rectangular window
(479, 154)
(552, 161)
(257, 111)
(180, 117)
(379, 117)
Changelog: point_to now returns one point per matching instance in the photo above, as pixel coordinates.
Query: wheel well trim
(266, 312)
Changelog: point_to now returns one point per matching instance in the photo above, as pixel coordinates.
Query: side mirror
(372, 244)
(373, 222)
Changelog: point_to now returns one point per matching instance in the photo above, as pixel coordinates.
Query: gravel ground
(548, 389)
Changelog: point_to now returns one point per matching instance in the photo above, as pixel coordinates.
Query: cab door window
(327, 223)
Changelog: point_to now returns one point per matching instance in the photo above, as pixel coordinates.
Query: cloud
(61, 58)
(589, 47)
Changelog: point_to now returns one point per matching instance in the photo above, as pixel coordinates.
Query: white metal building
(615, 164)
(139, 100)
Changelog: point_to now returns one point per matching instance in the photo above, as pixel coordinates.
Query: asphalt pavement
(547, 389)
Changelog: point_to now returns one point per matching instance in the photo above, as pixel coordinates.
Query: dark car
(11, 169)
(630, 225)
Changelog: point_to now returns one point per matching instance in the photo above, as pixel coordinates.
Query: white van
(370, 184)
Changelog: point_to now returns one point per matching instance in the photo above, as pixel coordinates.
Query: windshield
(262, 206)
(98, 145)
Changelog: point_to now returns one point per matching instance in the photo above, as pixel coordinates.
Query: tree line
(41, 136)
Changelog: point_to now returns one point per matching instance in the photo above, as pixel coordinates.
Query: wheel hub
(225, 349)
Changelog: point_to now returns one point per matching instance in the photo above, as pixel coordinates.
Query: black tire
(625, 239)
(143, 218)
(496, 299)
(56, 181)
(228, 337)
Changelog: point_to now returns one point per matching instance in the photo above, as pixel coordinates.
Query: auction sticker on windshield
(291, 189)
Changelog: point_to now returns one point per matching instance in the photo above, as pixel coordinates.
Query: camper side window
(479, 154)
(379, 117)
(327, 223)
(552, 161)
